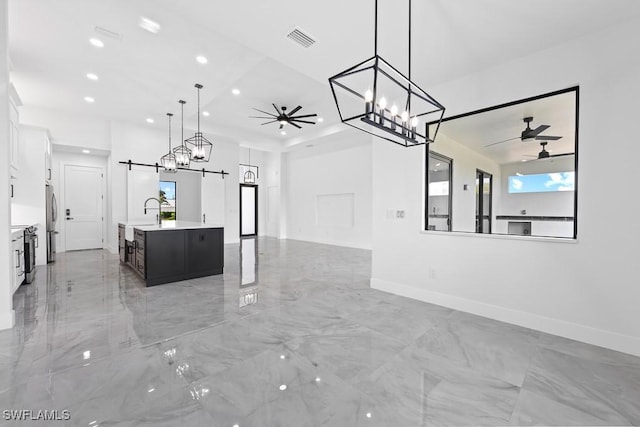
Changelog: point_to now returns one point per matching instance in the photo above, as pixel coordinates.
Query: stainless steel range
(30, 245)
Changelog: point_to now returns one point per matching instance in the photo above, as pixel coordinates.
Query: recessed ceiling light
(205, 113)
(282, 132)
(149, 25)
(320, 119)
(85, 151)
(523, 160)
(96, 42)
(92, 76)
(89, 99)
(283, 387)
(149, 120)
(235, 91)
(202, 59)
(437, 164)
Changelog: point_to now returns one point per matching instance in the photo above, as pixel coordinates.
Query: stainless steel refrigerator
(52, 217)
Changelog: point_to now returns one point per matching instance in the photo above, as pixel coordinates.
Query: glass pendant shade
(182, 153)
(168, 161)
(375, 97)
(249, 177)
(199, 145)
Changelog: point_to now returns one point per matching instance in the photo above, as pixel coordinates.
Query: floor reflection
(290, 334)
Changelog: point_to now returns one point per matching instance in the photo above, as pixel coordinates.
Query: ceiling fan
(544, 154)
(285, 118)
(529, 134)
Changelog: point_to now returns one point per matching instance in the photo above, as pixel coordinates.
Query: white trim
(471, 234)
(612, 340)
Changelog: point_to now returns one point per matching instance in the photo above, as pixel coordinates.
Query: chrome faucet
(159, 208)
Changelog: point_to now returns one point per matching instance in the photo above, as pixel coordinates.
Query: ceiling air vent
(300, 37)
(107, 33)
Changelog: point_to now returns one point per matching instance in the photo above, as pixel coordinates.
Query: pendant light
(199, 145)
(373, 96)
(168, 161)
(183, 154)
(249, 177)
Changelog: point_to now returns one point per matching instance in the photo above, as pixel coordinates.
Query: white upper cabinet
(14, 131)
(48, 173)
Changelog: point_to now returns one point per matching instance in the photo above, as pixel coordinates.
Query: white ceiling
(480, 131)
(143, 75)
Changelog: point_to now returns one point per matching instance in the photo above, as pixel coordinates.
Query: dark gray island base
(172, 251)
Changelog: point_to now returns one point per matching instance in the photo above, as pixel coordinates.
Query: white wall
(316, 181)
(59, 161)
(71, 130)
(28, 205)
(6, 254)
(593, 294)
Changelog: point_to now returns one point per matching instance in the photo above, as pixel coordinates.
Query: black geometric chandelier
(183, 154)
(168, 161)
(375, 97)
(199, 145)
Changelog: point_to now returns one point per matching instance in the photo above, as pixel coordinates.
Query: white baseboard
(612, 340)
(7, 320)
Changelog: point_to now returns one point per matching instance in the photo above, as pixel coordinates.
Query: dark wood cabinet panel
(165, 252)
(204, 254)
(164, 256)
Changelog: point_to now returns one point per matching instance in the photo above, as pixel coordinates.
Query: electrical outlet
(400, 214)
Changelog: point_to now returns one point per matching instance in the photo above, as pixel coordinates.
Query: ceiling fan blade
(537, 131)
(260, 117)
(281, 126)
(563, 154)
(301, 121)
(302, 117)
(293, 124)
(277, 110)
(292, 112)
(500, 142)
(548, 138)
(264, 112)
(272, 121)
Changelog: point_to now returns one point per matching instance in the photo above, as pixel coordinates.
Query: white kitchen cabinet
(14, 131)
(48, 173)
(17, 239)
(14, 140)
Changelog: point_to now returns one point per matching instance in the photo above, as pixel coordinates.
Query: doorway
(83, 207)
(248, 210)
(484, 192)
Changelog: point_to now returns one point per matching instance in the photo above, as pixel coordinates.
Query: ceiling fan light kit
(373, 96)
(199, 145)
(285, 118)
(168, 161)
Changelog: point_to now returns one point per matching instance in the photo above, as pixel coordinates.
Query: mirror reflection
(509, 169)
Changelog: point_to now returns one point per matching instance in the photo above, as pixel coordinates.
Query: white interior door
(83, 207)
(213, 196)
(248, 209)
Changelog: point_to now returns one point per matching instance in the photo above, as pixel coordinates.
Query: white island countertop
(172, 225)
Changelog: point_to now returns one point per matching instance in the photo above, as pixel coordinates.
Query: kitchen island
(172, 251)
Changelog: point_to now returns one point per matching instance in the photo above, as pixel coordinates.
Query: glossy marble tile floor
(290, 335)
